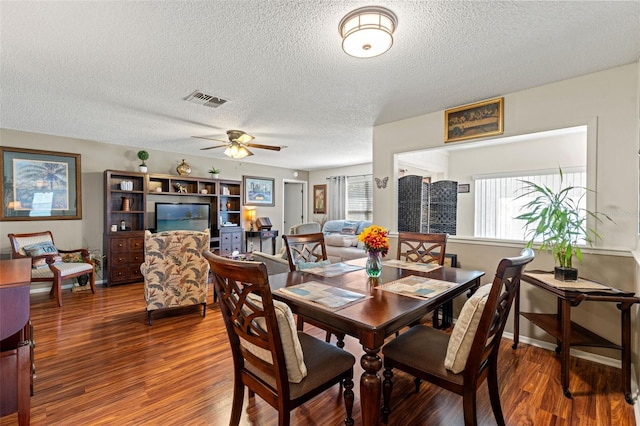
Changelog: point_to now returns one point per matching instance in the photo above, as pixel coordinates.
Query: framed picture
(319, 199)
(258, 191)
(40, 185)
(464, 187)
(474, 120)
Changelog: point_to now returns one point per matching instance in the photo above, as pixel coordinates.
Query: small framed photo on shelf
(471, 121)
(258, 191)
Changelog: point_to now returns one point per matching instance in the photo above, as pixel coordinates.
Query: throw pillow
(337, 240)
(308, 265)
(293, 356)
(465, 330)
(40, 249)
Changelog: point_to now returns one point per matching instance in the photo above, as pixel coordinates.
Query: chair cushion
(308, 265)
(293, 356)
(465, 329)
(65, 268)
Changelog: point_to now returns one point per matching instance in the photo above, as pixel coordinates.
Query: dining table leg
(370, 386)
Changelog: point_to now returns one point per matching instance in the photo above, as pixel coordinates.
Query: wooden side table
(568, 333)
(263, 234)
(15, 339)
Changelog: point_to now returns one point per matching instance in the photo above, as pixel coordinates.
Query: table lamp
(252, 217)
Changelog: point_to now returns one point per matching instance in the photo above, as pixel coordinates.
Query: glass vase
(374, 264)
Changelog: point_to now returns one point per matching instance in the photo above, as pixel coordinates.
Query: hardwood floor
(99, 363)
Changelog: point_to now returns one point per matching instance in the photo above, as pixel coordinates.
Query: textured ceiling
(118, 72)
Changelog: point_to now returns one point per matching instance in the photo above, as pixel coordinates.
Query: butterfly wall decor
(382, 183)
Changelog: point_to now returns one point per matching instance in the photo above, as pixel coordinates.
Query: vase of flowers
(376, 244)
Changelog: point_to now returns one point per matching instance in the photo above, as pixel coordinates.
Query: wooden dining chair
(284, 366)
(305, 251)
(461, 361)
(426, 248)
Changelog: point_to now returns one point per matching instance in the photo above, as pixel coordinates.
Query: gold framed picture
(319, 199)
(477, 120)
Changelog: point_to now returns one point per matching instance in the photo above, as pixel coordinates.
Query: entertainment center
(131, 199)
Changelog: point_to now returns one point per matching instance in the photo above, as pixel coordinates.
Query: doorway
(293, 204)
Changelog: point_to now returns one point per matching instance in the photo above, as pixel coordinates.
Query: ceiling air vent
(202, 98)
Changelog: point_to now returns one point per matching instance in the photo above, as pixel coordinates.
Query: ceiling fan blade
(209, 138)
(212, 147)
(256, 145)
(245, 138)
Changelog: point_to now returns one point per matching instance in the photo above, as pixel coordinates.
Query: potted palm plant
(559, 224)
(214, 172)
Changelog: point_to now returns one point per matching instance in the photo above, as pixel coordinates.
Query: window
(496, 202)
(360, 197)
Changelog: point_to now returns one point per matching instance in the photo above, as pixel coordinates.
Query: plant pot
(565, 274)
(143, 169)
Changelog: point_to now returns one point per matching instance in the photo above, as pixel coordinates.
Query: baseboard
(47, 287)
(611, 362)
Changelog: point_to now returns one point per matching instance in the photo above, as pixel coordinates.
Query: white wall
(97, 157)
(607, 102)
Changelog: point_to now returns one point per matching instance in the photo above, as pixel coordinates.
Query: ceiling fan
(237, 144)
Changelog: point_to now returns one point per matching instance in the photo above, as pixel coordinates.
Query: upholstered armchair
(50, 263)
(174, 270)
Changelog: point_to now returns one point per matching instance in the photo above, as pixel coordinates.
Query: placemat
(580, 284)
(416, 286)
(412, 266)
(333, 269)
(324, 296)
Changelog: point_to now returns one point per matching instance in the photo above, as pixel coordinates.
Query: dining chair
(305, 251)
(426, 248)
(460, 361)
(284, 366)
(48, 261)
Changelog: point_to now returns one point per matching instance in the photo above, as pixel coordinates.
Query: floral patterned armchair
(174, 270)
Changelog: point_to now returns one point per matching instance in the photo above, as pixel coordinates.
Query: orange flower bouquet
(376, 244)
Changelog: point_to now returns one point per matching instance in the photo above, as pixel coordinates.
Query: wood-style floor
(99, 363)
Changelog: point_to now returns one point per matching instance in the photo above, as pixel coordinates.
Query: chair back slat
(422, 248)
(305, 248)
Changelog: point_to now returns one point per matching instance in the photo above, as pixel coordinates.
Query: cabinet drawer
(118, 259)
(236, 237)
(119, 274)
(136, 244)
(136, 258)
(119, 245)
(225, 238)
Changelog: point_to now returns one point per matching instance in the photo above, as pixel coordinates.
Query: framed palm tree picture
(39, 185)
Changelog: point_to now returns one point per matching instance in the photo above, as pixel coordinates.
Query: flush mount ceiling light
(368, 31)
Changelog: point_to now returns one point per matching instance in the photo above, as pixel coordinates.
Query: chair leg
(238, 398)
(92, 281)
(469, 407)
(204, 309)
(300, 323)
(149, 317)
(387, 387)
(348, 399)
(494, 394)
(417, 381)
(327, 337)
(57, 288)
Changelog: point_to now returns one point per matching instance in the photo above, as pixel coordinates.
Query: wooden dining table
(375, 317)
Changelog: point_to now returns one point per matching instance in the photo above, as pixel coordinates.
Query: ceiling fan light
(237, 151)
(368, 31)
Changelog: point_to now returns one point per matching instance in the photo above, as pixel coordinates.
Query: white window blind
(360, 197)
(497, 205)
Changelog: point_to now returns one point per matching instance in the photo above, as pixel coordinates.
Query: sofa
(341, 241)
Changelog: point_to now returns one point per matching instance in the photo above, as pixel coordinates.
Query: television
(183, 216)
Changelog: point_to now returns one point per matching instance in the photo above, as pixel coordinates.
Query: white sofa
(341, 240)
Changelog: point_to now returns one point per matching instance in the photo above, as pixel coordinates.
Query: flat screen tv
(183, 216)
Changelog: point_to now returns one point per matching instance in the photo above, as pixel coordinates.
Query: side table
(567, 333)
(262, 234)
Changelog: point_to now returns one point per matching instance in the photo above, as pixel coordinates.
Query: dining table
(375, 316)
